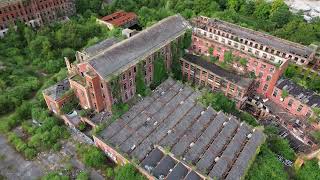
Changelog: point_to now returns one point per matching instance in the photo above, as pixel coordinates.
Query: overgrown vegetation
(91, 156)
(70, 105)
(220, 102)
(159, 72)
(142, 89)
(309, 171)
(266, 166)
(305, 78)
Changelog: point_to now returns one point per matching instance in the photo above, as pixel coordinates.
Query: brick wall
(33, 12)
(293, 106)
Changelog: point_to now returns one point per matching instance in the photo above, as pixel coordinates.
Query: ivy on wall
(159, 73)
(116, 89)
(140, 84)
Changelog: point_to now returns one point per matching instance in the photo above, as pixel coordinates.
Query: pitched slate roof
(103, 45)
(262, 38)
(215, 69)
(302, 94)
(130, 51)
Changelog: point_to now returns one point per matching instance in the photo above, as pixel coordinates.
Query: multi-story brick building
(92, 76)
(206, 74)
(296, 99)
(267, 55)
(32, 12)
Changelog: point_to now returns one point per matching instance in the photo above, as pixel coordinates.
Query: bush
(83, 176)
(127, 171)
(91, 156)
(280, 146)
(54, 176)
(109, 172)
(30, 153)
(57, 147)
(82, 126)
(248, 118)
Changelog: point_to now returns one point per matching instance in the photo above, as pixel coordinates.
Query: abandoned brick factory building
(32, 12)
(96, 67)
(267, 56)
(170, 136)
(210, 75)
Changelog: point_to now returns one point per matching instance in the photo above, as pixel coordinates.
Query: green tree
(262, 10)
(266, 166)
(281, 146)
(310, 170)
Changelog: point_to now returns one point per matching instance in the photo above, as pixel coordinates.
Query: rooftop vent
(249, 136)
(155, 123)
(169, 131)
(181, 102)
(225, 123)
(148, 119)
(191, 144)
(148, 168)
(133, 147)
(162, 93)
(202, 112)
(180, 89)
(216, 159)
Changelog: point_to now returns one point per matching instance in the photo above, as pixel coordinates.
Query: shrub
(83, 176)
(57, 147)
(127, 171)
(109, 172)
(30, 153)
(82, 126)
(91, 156)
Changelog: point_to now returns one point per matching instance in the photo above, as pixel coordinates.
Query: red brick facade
(206, 78)
(266, 67)
(94, 92)
(291, 104)
(119, 19)
(33, 12)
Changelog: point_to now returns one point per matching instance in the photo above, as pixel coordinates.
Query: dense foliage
(305, 78)
(27, 56)
(91, 156)
(140, 83)
(127, 171)
(278, 145)
(310, 170)
(269, 16)
(266, 166)
(220, 102)
(159, 72)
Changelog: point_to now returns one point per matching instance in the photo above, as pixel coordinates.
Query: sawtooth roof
(199, 141)
(130, 51)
